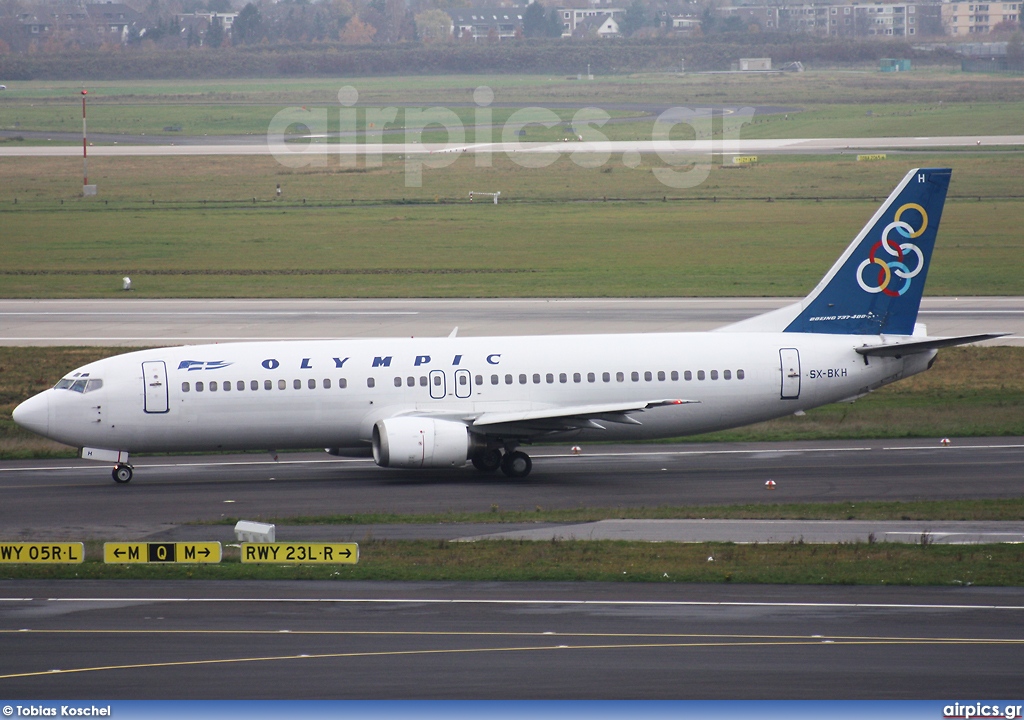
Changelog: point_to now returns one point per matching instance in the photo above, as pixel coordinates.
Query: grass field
(832, 103)
(604, 561)
(188, 227)
(969, 392)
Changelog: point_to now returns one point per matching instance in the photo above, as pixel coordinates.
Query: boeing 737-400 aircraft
(443, 402)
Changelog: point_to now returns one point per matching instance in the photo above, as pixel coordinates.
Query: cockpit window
(80, 385)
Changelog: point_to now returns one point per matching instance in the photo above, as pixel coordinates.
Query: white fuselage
(277, 395)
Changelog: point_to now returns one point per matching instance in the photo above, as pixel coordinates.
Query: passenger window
(213, 386)
(199, 386)
(714, 374)
(398, 382)
(549, 378)
(479, 379)
(562, 377)
(226, 386)
(675, 374)
(311, 384)
(370, 382)
(700, 374)
(508, 379)
(342, 383)
(647, 376)
(281, 384)
(267, 385)
(661, 375)
(591, 377)
(688, 375)
(410, 381)
(254, 385)
(297, 384)
(739, 375)
(727, 375)
(576, 377)
(619, 377)
(240, 385)
(536, 378)
(607, 377)
(423, 380)
(634, 376)
(184, 387)
(437, 381)
(462, 379)
(522, 379)
(327, 383)
(494, 379)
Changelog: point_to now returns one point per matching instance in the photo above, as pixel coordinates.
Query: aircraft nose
(34, 414)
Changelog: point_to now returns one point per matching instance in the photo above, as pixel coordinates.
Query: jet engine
(417, 442)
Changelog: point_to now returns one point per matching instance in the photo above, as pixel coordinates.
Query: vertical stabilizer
(875, 287)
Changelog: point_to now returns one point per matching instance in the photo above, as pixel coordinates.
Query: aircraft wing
(899, 349)
(573, 417)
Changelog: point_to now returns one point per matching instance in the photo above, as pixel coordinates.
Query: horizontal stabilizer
(599, 412)
(918, 346)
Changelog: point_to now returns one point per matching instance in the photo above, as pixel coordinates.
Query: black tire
(516, 464)
(487, 461)
(122, 474)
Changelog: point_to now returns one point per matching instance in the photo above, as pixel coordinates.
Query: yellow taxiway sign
(173, 552)
(42, 552)
(301, 553)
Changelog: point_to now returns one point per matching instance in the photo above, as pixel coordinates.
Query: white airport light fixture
(126, 283)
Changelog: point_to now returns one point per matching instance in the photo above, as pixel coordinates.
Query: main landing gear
(513, 463)
(122, 473)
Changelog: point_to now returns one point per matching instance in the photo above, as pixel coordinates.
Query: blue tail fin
(875, 287)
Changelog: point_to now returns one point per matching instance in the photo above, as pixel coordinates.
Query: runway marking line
(681, 453)
(484, 601)
(771, 642)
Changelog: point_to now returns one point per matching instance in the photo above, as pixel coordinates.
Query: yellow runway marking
(712, 641)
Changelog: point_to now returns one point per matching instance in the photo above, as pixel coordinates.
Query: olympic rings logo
(897, 266)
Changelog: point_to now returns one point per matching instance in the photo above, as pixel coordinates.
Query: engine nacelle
(416, 442)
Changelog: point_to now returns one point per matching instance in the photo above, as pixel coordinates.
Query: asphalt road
(306, 640)
(135, 322)
(75, 499)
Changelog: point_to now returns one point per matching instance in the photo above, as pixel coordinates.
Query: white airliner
(443, 402)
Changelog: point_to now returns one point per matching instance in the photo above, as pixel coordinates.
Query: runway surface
(76, 499)
(131, 322)
(292, 150)
(112, 640)
(157, 639)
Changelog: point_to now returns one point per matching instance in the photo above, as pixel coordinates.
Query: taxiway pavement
(305, 640)
(141, 322)
(76, 499)
(292, 152)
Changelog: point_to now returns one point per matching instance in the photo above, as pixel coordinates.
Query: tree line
(526, 56)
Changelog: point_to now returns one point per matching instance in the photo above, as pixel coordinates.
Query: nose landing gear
(122, 473)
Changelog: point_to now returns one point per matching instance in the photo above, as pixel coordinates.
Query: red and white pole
(85, 152)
